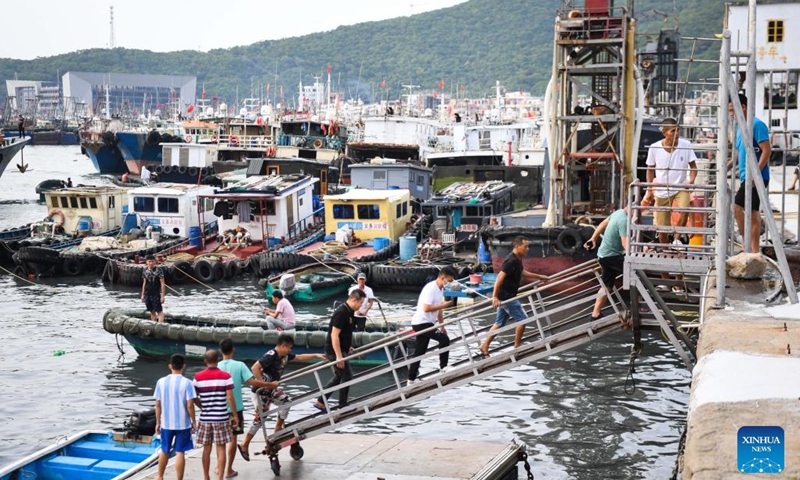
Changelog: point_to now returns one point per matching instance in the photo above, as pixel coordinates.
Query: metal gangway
(559, 319)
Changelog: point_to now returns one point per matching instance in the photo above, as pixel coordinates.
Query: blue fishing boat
(476, 285)
(89, 455)
(105, 156)
(192, 336)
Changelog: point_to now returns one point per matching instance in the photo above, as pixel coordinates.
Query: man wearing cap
(361, 314)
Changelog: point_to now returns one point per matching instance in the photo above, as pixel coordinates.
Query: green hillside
(472, 44)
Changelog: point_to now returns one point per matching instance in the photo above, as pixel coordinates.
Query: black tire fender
(72, 266)
(568, 241)
(203, 271)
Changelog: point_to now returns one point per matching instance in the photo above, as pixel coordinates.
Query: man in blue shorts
(507, 286)
(174, 416)
(153, 289)
(611, 254)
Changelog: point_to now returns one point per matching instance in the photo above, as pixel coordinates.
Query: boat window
(168, 205)
(273, 170)
(343, 211)
(369, 212)
(405, 208)
(399, 212)
(64, 202)
(474, 212)
(300, 202)
(111, 202)
(379, 175)
(427, 211)
(487, 211)
(271, 207)
(420, 179)
(143, 204)
(54, 202)
(92, 202)
(84, 203)
(73, 202)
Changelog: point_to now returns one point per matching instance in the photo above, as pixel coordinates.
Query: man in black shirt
(338, 343)
(153, 289)
(507, 285)
(269, 368)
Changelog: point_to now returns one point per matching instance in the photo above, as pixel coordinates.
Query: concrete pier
(361, 457)
(748, 374)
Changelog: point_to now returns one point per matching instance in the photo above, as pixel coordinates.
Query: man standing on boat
(270, 368)
(283, 317)
(338, 344)
(361, 314)
(430, 306)
(506, 287)
(240, 375)
(215, 396)
(21, 126)
(175, 421)
(153, 289)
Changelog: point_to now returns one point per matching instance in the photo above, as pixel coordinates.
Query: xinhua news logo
(760, 450)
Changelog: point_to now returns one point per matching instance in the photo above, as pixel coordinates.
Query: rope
(629, 380)
(18, 277)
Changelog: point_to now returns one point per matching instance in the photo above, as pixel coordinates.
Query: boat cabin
(386, 173)
(171, 207)
(183, 157)
(370, 213)
(462, 207)
(268, 207)
(304, 136)
(528, 180)
(86, 210)
(325, 172)
(198, 131)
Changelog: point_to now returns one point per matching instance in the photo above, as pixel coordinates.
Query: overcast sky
(41, 28)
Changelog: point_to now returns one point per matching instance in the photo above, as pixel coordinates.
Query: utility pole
(112, 42)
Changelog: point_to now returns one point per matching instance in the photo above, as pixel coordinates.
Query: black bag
(142, 422)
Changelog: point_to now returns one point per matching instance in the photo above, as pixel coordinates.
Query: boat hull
(138, 152)
(334, 279)
(105, 158)
(8, 150)
(193, 336)
(91, 455)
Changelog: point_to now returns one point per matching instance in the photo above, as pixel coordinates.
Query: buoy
(59, 353)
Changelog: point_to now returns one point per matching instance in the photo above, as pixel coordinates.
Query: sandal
(245, 454)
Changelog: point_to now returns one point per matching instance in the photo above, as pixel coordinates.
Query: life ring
(189, 138)
(233, 140)
(318, 143)
(213, 138)
(60, 216)
(568, 241)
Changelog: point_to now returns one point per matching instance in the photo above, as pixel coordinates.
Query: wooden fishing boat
(90, 455)
(192, 335)
(314, 282)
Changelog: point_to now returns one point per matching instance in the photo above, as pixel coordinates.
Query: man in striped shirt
(174, 416)
(215, 394)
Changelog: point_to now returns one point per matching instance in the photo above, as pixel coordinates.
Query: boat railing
(310, 141)
(296, 229)
(245, 141)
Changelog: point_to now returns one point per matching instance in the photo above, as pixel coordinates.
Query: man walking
(215, 393)
(430, 306)
(269, 369)
(338, 344)
(763, 150)
(507, 286)
(240, 375)
(175, 422)
(611, 254)
(361, 314)
(153, 289)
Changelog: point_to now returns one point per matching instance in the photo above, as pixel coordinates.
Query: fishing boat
(315, 282)
(99, 142)
(192, 336)
(9, 147)
(90, 455)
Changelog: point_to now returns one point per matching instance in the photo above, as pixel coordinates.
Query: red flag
(434, 94)
(383, 84)
(329, 68)
(190, 109)
(441, 84)
(204, 95)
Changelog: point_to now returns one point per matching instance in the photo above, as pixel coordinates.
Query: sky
(52, 27)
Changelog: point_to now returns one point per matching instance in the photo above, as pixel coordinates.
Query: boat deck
(352, 253)
(362, 457)
(211, 246)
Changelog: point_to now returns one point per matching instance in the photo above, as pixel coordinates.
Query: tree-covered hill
(472, 44)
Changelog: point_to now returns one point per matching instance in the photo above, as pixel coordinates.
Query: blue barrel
(194, 237)
(274, 241)
(84, 226)
(381, 243)
(330, 237)
(408, 247)
(483, 253)
(129, 221)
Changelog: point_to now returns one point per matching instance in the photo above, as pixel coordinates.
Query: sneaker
(412, 382)
(662, 288)
(445, 369)
(677, 289)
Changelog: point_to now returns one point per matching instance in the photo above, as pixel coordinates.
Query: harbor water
(62, 373)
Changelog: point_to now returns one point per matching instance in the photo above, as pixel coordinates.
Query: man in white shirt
(361, 313)
(430, 308)
(668, 163)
